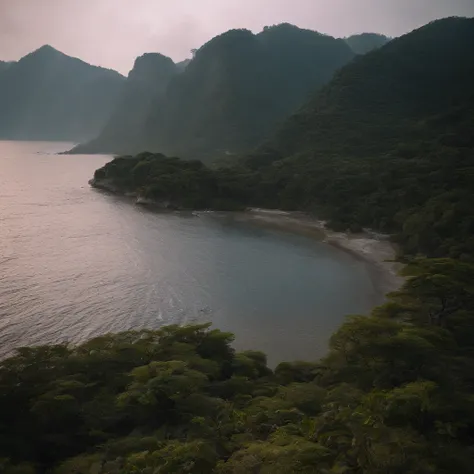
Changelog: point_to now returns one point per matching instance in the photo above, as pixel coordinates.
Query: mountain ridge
(236, 89)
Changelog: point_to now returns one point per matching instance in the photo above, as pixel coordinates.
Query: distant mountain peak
(50, 95)
(363, 43)
(151, 66)
(47, 49)
(45, 52)
(281, 26)
(153, 58)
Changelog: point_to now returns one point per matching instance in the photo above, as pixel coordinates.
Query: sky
(112, 33)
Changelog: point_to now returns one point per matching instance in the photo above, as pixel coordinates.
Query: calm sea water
(76, 263)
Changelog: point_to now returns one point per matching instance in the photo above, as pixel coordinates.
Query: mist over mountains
(233, 93)
(230, 96)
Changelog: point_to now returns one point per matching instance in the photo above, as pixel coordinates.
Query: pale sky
(112, 33)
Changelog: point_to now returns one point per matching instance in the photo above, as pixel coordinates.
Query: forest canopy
(393, 395)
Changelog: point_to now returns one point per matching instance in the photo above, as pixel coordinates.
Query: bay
(76, 263)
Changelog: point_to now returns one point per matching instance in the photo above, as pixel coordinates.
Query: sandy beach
(375, 249)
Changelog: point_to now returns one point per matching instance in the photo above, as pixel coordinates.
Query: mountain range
(234, 92)
(47, 95)
(238, 87)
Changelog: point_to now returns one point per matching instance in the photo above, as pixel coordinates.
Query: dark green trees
(393, 395)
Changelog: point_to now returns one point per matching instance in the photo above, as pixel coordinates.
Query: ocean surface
(76, 263)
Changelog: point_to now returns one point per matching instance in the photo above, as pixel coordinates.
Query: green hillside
(239, 87)
(387, 144)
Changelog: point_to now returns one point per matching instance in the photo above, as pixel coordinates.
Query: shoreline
(376, 250)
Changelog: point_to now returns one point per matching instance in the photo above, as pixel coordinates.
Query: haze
(112, 33)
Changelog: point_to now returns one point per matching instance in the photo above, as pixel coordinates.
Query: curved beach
(375, 249)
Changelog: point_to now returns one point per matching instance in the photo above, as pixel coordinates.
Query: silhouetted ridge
(234, 92)
(239, 87)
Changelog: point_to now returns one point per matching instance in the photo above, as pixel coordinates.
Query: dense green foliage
(233, 93)
(394, 395)
(172, 183)
(239, 86)
(388, 144)
(366, 42)
(50, 96)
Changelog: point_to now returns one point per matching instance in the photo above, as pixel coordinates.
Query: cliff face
(48, 95)
(145, 85)
(239, 86)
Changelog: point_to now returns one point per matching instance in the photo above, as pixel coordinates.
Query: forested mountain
(387, 144)
(365, 42)
(240, 86)
(48, 95)
(145, 85)
(236, 90)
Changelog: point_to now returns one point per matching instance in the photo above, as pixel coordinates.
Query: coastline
(376, 250)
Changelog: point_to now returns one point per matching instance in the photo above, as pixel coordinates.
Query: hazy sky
(112, 33)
